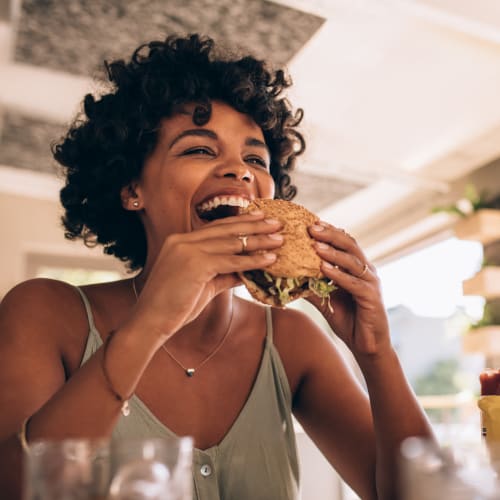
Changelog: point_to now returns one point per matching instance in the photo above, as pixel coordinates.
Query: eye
(257, 160)
(199, 150)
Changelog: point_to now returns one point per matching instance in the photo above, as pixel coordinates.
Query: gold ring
(243, 238)
(363, 271)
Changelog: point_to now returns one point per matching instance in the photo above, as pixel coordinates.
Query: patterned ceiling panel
(26, 142)
(77, 35)
(317, 193)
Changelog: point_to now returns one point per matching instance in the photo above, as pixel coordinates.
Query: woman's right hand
(192, 268)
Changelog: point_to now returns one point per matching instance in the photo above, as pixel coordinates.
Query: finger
(236, 227)
(243, 243)
(344, 260)
(356, 286)
(338, 238)
(224, 264)
(225, 282)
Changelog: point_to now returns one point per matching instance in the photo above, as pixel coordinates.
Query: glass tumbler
(152, 469)
(461, 471)
(72, 469)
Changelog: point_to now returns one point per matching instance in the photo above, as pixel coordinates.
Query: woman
(172, 350)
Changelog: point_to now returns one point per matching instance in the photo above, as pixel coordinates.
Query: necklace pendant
(125, 409)
(189, 372)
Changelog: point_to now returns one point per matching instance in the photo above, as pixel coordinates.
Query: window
(429, 314)
(76, 270)
(77, 276)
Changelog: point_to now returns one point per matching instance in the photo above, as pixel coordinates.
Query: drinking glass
(152, 469)
(72, 469)
(462, 471)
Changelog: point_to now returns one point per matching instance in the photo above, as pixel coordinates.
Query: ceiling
(401, 96)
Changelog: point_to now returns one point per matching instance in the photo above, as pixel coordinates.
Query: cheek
(266, 185)
(167, 201)
(179, 185)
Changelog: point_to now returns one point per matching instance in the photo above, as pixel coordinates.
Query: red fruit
(490, 382)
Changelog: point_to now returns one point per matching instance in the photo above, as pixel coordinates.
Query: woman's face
(196, 173)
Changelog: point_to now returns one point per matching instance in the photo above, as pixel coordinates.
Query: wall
(31, 227)
(318, 480)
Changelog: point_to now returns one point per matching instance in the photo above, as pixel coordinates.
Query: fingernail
(276, 236)
(271, 221)
(322, 245)
(317, 227)
(270, 256)
(256, 212)
(328, 265)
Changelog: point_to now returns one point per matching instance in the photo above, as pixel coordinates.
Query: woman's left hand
(358, 317)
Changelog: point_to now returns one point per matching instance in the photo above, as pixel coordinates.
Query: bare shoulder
(41, 321)
(43, 307)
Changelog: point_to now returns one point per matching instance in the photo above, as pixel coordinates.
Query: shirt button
(206, 470)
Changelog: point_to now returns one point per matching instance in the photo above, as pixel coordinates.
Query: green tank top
(257, 458)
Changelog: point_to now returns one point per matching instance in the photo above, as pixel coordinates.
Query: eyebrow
(203, 132)
(252, 141)
(197, 132)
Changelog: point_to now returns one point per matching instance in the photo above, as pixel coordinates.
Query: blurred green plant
(486, 320)
(442, 379)
(439, 380)
(491, 315)
(472, 202)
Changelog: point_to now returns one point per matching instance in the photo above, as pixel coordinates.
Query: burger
(296, 272)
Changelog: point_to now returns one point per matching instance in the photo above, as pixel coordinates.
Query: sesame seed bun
(296, 258)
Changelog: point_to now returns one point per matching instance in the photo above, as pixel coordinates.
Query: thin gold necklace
(191, 371)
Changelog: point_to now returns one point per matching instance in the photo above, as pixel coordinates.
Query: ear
(130, 197)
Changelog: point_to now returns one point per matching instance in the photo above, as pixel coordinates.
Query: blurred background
(402, 119)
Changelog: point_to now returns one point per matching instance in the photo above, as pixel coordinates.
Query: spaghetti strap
(88, 309)
(269, 323)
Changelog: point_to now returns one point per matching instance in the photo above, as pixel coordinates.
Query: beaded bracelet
(125, 408)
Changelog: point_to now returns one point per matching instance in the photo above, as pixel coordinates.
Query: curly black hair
(105, 149)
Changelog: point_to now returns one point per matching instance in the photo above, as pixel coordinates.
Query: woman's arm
(396, 416)
(38, 317)
(35, 318)
(356, 313)
(358, 433)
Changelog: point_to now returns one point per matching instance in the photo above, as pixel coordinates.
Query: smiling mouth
(220, 207)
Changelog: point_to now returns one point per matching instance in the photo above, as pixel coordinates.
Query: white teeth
(233, 201)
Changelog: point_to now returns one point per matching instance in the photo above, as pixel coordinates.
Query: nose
(236, 170)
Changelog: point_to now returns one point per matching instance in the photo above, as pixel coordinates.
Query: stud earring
(135, 204)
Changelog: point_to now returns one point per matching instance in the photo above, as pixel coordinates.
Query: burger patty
(269, 282)
(259, 279)
(283, 290)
